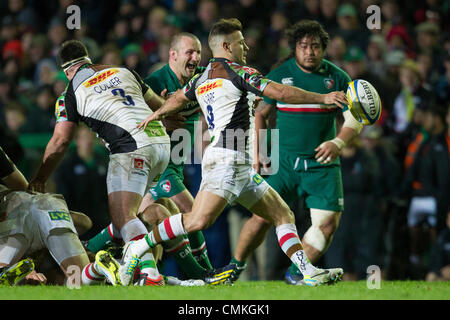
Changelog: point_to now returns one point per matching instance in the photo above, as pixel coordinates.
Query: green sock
(198, 245)
(99, 241)
(241, 265)
(294, 269)
(179, 248)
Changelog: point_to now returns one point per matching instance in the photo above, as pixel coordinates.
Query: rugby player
(111, 101)
(310, 166)
(226, 92)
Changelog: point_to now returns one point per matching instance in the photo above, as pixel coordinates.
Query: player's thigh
(206, 209)
(137, 171)
(12, 248)
(272, 208)
(323, 188)
(123, 207)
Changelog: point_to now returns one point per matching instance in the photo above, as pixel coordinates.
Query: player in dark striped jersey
(226, 92)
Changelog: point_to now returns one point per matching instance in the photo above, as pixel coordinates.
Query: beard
(310, 67)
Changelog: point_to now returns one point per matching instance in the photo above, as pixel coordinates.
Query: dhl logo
(101, 77)
(208, 87)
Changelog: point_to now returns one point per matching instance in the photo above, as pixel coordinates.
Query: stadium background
(407, 60)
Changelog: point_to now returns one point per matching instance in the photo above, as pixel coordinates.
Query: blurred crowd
(396, 175)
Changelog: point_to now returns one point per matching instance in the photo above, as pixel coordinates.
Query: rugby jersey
(226, 92)
(110, 100)
(303, 127)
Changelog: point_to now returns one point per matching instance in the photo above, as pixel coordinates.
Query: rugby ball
(364, 101)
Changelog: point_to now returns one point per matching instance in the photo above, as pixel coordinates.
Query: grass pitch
(257, 290)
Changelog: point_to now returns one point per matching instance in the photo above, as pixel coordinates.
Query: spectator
(443, 83)
(23, 14)
(386, 186)
(427, 40)
(356, 66)
(84, 166)
(207, 15)
(329, 9)
(412, 95)
(153, 32)
(16, 117)
(41, 118)
(336, 50)
(398, 39)
(440, 256)
(427, 182)
(119, 35)
(133, 58)
(376, 51)
(111, 55)
(428, 74)
(349, 27)
(356, 241)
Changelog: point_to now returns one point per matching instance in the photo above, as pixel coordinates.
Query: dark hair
(225, 27)
(304, 28)
(307, 28)
(70, 50)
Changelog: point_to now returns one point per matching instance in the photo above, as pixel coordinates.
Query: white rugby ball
(364, 101)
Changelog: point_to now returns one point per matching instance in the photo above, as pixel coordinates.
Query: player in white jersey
(30, 222)
(226, 92)
(111, 101)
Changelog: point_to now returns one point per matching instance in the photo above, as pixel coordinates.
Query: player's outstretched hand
(336, 97)
(150, 118)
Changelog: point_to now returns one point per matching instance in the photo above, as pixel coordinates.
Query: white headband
(70, 63)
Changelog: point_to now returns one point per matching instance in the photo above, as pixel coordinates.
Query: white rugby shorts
(35, 222)
(226, 174)
(139, 170)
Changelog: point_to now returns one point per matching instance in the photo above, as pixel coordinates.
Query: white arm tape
(338, 142)
(351, 122)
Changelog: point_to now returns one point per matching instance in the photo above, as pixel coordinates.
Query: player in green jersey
(310, 164)
(184, 57)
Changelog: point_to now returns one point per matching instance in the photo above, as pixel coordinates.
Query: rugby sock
(181, 251)
(91, 275)
(133, 229)
(101, 239)
(148, 265)
(198, 245)
(240, 266)
(291, 245)
(170, 228)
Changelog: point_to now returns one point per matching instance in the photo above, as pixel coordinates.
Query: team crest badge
(165, 185)
(328, 83)
(138, 163)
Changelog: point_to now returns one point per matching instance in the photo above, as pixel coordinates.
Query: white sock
(133, 229)
(91, 275)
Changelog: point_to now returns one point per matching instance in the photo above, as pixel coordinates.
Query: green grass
(258, 290)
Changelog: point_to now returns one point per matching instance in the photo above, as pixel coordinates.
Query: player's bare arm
(175, 102)
(54, 153)
(290, 94)
(262, 114)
